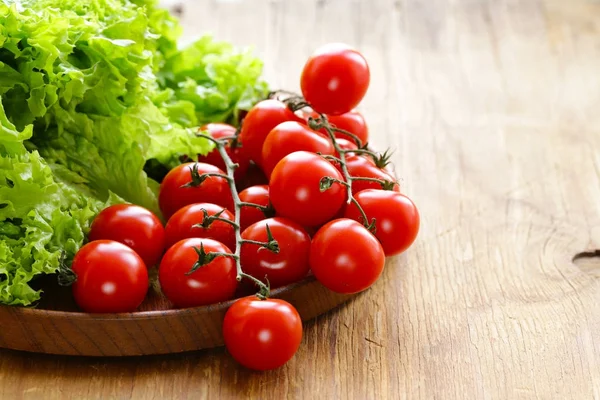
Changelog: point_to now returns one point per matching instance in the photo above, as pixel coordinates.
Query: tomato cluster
(314, 199)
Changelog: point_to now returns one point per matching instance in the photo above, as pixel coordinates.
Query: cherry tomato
(262, 334)
(289, 137)
(335, 79)
(345, 257)
(211, 283)
(175, 195)
(289, 265)
(111, 278)
(397, 218)
(181, 225)
(352, 121)
(133, 226)
(295, 189)
(257, 195)
(261, 119)
(359, 166)
(220, 131)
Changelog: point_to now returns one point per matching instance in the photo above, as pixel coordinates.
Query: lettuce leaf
(91, 95)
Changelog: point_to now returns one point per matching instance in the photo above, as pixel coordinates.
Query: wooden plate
(55, 327)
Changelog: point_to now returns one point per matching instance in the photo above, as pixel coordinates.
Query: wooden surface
(56, 326)
(493, 107)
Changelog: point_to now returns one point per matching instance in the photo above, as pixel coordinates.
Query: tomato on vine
(296, 193)
(397, 218)
(111, 278)
(221, 131)
(335, 79)
(133, 226)
(287, 266)
(352, 122)
(211, 283)
(345, 257)
(258, 195)
(199, 221)
(362, 167)
(262, 334)
(183, 185)
(289, 137)
(259, 121)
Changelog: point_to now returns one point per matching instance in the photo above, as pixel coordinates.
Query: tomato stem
(264, 290)
(206, 258)
(267, 210)
(351, 135)
(207, 220)
(66, 276)
(198, 179)
(323, 122)
(381, 160)
(385, 184)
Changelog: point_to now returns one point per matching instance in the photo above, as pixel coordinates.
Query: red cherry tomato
(111, 278)
(289, 137)
(289, 265)
(295, 189)
(257, 195)
(352, 121)
(262, 334)
(261, 119)
(212, 283)
(359, 166)
(335, 79)
(133, 226)
(345, 257)
(397, 218)
(182, 225)
(174, 194)
(220, 131)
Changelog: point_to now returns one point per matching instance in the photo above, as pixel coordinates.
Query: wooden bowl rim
(143, 315)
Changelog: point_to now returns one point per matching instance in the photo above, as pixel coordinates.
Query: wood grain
(56, 326)
(492, 107)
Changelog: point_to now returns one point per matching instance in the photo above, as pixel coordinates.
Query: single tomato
(289, 137)
(295, 189)
(258, 195)
(111, 278)
(345, 257)
(335, 79)
(208, 284)
(287, 266)
(133, 226)
(181, 187)
(188, 223)
(396, 218)
(262, 334)
(261, 119)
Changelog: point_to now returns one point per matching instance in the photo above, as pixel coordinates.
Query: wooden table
(493, 108)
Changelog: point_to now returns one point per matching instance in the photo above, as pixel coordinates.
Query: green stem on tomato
(264, 290)
(322, 122)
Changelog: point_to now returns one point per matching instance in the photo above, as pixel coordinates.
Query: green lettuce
(93, 95)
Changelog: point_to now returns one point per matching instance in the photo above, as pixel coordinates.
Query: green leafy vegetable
(92, 94)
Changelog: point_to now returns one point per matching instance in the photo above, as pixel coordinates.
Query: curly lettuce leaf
(41, 220)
